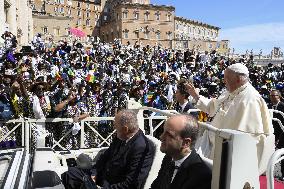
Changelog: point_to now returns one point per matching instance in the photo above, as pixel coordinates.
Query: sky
(248, 24)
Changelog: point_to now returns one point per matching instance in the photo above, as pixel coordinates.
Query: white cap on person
(239, 68)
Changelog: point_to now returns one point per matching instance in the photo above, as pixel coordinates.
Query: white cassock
(243, 110)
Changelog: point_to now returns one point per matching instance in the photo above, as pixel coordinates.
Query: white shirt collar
(180, 161)
(183, 105)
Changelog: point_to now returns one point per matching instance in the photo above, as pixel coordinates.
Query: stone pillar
(11, 17)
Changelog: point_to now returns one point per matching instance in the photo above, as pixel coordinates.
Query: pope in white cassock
(240, 108)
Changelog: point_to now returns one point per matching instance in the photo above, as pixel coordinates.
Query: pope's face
(231, 80)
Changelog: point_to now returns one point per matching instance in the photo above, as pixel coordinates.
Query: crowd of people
(74, 80)
(51, 80)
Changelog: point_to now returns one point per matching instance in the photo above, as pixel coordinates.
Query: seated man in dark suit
(125, 164)
(183, 105)
(182, 167)
(277, 104)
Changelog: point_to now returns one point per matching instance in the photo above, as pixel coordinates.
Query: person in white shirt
(240, 108)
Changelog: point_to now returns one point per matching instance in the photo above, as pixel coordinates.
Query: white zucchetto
(239, 68)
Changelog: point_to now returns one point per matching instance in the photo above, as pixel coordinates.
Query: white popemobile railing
(277, 156)
(30, 125)
(272, 111)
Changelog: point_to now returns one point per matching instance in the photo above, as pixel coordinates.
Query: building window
(55, 9)
(126, 34)
(137, 34)
(79, 4)
(44, 30)
(68, 31)
(146, 16)
(169, 35)
(88, 22)
(87, 14)
(210, 45)
(88, 6)
(105, 18)
(79, 21)
(124, 15)
(69, 3)
(147, 34)
(169, 17)
(136, 15)
(158, 35)
(185, 44)
(218, 45)
(61, 9)
(158, 16)
(56, 31)
(69, 11)
(79, 13)
(177, 26)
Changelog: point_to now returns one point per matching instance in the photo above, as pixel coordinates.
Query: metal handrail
(29, 125)
(276, 157)
(276, 119)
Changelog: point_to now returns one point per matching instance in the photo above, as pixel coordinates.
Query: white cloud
(261, 36)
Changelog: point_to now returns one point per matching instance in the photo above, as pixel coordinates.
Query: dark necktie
(168, 179)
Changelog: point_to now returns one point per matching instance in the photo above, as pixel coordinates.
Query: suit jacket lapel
(190, 160)
(123, 149)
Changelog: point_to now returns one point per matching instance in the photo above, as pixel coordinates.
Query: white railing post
(82, 137)
(23, 133)
(27, 135)
(151, 126)
(275, 158)
(141, 120)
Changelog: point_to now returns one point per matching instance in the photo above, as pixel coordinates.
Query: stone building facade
(16, 17)
(194, 34)
(138, 20)
(56, 17)
(129, 20)
(144, 23)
